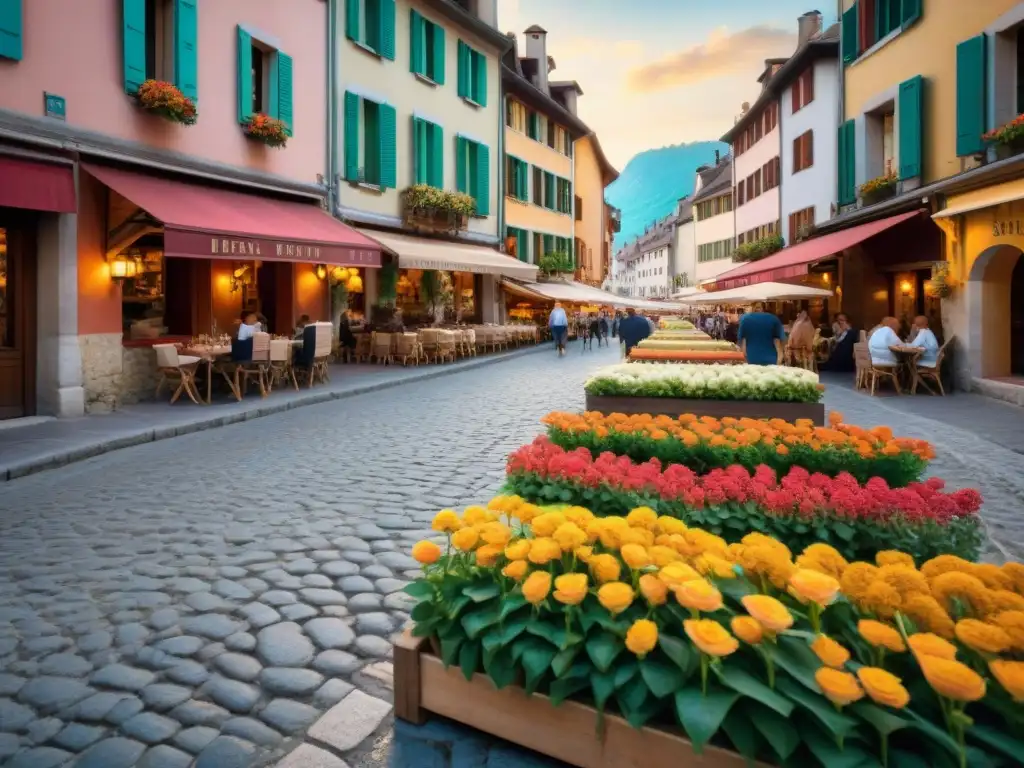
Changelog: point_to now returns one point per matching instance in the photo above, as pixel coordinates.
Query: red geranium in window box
(166, 100)
(267, 129)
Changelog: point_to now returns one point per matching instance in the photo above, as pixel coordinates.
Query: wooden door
(17, 317)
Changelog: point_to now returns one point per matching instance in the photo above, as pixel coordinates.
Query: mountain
(654, 180)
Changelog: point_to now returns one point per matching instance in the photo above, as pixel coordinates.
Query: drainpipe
(572, 203)
(840, 106)
(500, 175)
(332, 107)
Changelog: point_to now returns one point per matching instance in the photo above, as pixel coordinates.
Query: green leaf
(777, 730)
(500, 669)
(602, 649)
(423, 611)
(998, 741)
(553, 633)
(935, 734)
(476, 622)
(795, 657)
(603, 685)
(480, 593)
(511, 604)
(840, 725)
(420, 589)
(908, 760)
(702, 715)
(831, 754)
(631, 694)
(743, 737)
(564, 687)
(884, 722)
(563, 660)
(456, 606)
(450, 650)
(662, 679)
(536, 661)
(844, 531)
(751, 687)
(679, 652)
(469, 659)
(426, 628)
(625, 671)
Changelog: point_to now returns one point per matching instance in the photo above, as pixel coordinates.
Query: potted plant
(266, 129)
(436, 292)
(758, 249)
(556, 262)
(434, 208)
(167, 101)
(879, 188)
(1008, 139)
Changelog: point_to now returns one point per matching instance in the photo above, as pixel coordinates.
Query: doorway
(1017, 319)
(17, 316)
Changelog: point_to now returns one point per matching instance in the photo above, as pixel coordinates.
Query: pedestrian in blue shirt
(633, 329)
(760, 337)
(559, 324)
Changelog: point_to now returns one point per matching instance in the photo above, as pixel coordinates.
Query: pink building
(122, 224)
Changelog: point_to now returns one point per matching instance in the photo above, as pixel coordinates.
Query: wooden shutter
(851, 47)
(808, 85)
(798, 158)
(461, 171)
(847, 163)
(244, 75)
(186, 58)
(352, 19)
(417, 52)
(387, 29)
(796, 95)
(435, 165)
(911, 11)
(351, 136)
(134, 43)
(388, 147)
(524, 181)
(439, 54)
(910, 118)
(522, 243)
(970, 95)
(480, 79)
(285, 108)
(808, 149)
(11, 34)
(482, 182)
(464, 64)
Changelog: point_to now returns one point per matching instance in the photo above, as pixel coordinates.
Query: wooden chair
(891, 372)
(180, 367)
(281, 364)
(802, 357)
(381, 346)
(862, 361)
(323, 334)
(362, 352)
(258, 367)
(933, 374)
(469, 336)
(483, 339)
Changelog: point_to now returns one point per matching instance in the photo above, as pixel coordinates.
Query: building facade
(714, 230)
(592, 174)
(684, 247)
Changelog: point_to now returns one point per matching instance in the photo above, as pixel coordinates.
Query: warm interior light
(826, 278)
(123, 267)
(338, 274)
(905, 287)
(355, 284)
(321, 271)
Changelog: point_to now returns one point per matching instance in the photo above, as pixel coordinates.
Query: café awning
(201, 222)
(37, 186)
(577, 293)
(748, 294)
(423, 253)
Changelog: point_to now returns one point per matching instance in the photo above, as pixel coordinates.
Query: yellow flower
(952, 679)
(710, 637)
(526, 512)
(636, 556)
(893, 557)
(946, 564)
(543, 551)
(537, 586)
(823, 558)
(496, 534)
(772, 614)
(710, 564)
(653, 589)
(699, 595)
(992, 576)
(569, 536)
(968, 590)
(880, 599)
(446, 521)
(1016, 573)
(518, 549)
(583, 554)
(1010, 675)
(642, 637)
(831, 653)
(769, 562)
(928, 615)
(748, 629)
(616, 596)
(662, 556)
(642, 517)
(670, 525)
(1012, 622)
(503, 504)
(581, 516)
(516, 569)
(605, 568)
(476, 515)
(904, 579)
(571, 588)
(547, 523)
(986, 638)
(1005, 600)
(488, 555)
(611, 531)
(426, 552)
(841, 688)
(675, 574)
(814, 587)
(465, 539)
(883, 687)
(881, 635)
(927, 644)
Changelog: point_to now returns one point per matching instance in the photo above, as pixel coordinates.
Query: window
(800, 224)
(1019, 56)
(370, 142)
(721, 249)
(888, 143)
(371, 25)
(264, 81)
(868, 21)
(519, 246)
(887, 17)
(159, 42)
(517, 178)
(426, 48)
(552, 130)
(567, 143)
(473, 173)
(579, 208)
(713, 207)
(427, 153)
(803, 151)
(538, 186)
(472, 75)
(803, 90)
(516, 115)
(533, 126)
(563, 201)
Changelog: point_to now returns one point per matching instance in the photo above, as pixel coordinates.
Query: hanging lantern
(355, 284)
(321, 271)
(339, 274)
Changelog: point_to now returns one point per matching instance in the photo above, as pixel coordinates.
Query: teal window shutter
(463, 70)
(970, 96)
(461, 182)
(388, 147)
(438, 74)
(352, 19)
(244, 75)
(11, 35)
(524, 181)
(419, 156)
(482, 182)
(850, 44)
(373, 149)
(186, 57)
(387, 29)
(549, 244)
(435, 162)
(134, 43)
(285, 108)
(480, 79)
(522, 244)
(351, 136)
(549, 190)
(911, 11)
(417, 54)
(846, 169)
(910, 119)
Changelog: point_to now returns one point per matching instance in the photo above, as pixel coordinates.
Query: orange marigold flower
(518, 550)
(952, 679)
(1010, 675)
(516, 570)
(1011, 622)
(570, 588)
(466, 539)
(928, 615)
(712, 564)
(653, 589)
(675, 574)
(1016, 573)
(616, 596)
(605, 568)
(699, 595)
(543, 551)
(986, 638)
(710, 637)
(881, 635)
(661, 555)
(831, 653)
(813, 587)
(823, 558)
(426, 552)
(642, 517)
(636, 556)
(992, 576)
(857, 578)
(1005, 600)
(537, 586)
(880, 599)
(945, 564)
(748, 629)
(905, 579)
(883, 687)
(546, 524)
(927, 644)
(641, 637)
(968, 590)
(841, 688)
(772, 614)
(569, 536)
(488, 555)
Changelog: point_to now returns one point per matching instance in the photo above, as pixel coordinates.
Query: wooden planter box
(567, 732)
(435, 221)
(670, 406)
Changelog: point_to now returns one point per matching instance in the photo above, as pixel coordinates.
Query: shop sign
(1008, 228)
(54, 106)
(188, 244)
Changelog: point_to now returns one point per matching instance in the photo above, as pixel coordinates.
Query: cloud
(721, 55)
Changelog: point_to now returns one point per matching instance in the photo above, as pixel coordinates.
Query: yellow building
(592, 173)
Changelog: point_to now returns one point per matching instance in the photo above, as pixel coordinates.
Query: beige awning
(986, 199)
(421, 253)
(577, 293)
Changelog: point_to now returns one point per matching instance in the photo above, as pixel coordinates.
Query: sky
(661, 72)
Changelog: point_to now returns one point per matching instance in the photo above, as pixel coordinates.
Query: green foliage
(759, 249)
(556, 262)
(387, 284)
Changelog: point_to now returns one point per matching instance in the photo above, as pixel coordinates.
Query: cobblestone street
(205, 600)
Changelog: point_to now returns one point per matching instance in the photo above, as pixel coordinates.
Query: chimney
(537, 49)
(808, 26)
(744, 107)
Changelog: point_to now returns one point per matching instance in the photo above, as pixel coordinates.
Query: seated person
(300, 325)
(249, 327)
(345, 336)
(924, 338)
(841, 358)
(882, 338)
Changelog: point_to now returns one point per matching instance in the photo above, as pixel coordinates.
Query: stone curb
(147, 435)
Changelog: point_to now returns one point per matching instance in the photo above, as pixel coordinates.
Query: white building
(646, 263)
(808, 86)
(714, 227)
(684, 247)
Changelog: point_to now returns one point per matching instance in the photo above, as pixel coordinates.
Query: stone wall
(114, 375)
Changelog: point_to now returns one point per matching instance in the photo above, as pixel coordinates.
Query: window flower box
(1007, 140)
(167, 101)
(266, 130)
(431, 209)
(759, 249)
(878, 189)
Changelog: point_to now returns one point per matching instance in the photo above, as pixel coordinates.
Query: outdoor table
(209, 354)
(907, 358)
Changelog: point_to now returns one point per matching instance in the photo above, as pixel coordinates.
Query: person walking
(633, 329)
(760, 336)
(558, 321)
(602, 325)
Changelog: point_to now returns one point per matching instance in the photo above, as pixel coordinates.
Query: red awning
(211, 223)
(37, 186)
(793, 261)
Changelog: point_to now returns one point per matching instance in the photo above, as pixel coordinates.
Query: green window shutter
(387, 29)
(388, 147)
(524, 181)
(10, 31)
(435, 165)
(134, 43)
(911, 11)
(482, 183)
(351, 136)
(285, 110)
(419, 156)
(522, 243)
(461, 182)
(244, 75)
(910, 119)
(417, 54)
(533, 125)
(439, 54)
(352, 19)
(464, 58)
(480, 79)
(186, 58)
(850, 44)
(970, 96)
(847, 181)
(549, 190)
(549, 244)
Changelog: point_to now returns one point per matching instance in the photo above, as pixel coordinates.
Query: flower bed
(656, 342)
(706, 444)
(675, 324)
(800, 509)
(715, 382)
(807, 661)
(698, 355)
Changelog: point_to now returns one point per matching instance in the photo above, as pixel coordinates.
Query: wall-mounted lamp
(123, 266)
(355, 284)
(321, 271)
(826, 278)
(905, 287)
(339, 274)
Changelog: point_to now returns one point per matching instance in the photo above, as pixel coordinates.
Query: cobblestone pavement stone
(206, 600)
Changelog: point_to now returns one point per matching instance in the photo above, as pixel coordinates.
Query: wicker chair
(862, 361)
(469, 337)
(429, 343)
(362, 353)
(258, 367)
(281, 370)
(407, 348)
(802, 357)
(446, 346)
(933, 374)
(890, 372)
(174, 366)
(381, 346)
(483, 338)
